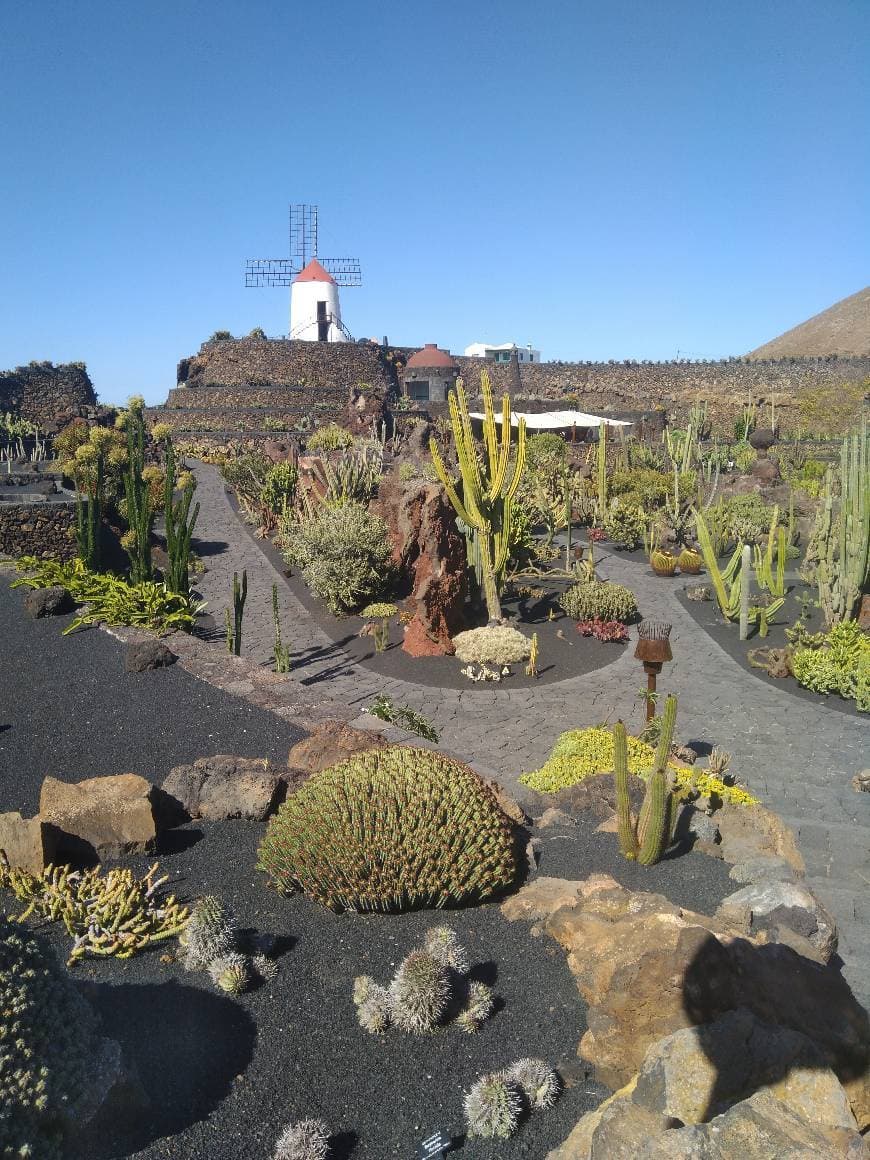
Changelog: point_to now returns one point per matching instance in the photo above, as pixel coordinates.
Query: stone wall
(47, 394)
(275, 362)
(38, 529)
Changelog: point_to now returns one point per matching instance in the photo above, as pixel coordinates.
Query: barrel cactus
(50, 1053)
(391, 829)
(493, 1107)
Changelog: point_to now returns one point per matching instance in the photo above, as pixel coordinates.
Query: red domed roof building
(429, 374)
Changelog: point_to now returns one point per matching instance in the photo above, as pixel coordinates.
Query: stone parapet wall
(237, 419)
(275, 362)
(183, 398)
(47, 394)
(38, 529)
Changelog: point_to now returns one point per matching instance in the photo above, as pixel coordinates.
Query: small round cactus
(305, 1140)
(231, 973)
(265, 967)
(443, 945)
(493, 1107)
(210, 933)
(363, 986)
(375, 1012)
(419, 992)
(538, 1081)
(480, 1005)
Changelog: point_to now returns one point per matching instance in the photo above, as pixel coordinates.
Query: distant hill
(843, 329)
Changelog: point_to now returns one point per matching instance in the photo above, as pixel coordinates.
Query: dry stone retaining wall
(38, 529)
(47, 394)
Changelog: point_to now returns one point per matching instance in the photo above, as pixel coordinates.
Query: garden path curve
(797, 756)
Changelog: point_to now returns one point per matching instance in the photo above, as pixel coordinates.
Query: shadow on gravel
(184, 1046)
(209, 547)
(342, 1144)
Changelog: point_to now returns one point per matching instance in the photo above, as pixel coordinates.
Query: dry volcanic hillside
(843, 329)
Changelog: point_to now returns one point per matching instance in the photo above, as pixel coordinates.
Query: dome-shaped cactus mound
(48, 1047)
(391, 829)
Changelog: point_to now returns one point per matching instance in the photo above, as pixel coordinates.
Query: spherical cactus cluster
(391, 829)
(493, 1108)
(47, 1042)
(211, 942)
(428, 989)
(538, 1081)
(305, 1140)
(419, 992)
(495, 1103)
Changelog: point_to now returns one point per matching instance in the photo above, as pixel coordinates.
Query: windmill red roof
(431, 356)
(314, 272)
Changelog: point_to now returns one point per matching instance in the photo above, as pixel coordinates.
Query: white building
(501, 353)
(315, 313)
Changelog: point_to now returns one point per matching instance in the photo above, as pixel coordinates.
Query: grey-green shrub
(390, 829)
(625, 524)
(598, 598)
(48, 1047)
(497, 644)
(343, 554)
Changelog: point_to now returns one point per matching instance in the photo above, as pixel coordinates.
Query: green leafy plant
(330, 437)
(599, 599)
(403, 717)
(111, 599)
(343, 553)
(840, 663)
(390, 829)
(279, 488)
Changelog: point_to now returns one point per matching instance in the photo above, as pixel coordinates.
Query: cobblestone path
(798, 757)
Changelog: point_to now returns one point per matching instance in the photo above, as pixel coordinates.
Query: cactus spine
(486, 504)
(646, 839)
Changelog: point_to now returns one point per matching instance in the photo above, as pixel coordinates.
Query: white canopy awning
(556, 419)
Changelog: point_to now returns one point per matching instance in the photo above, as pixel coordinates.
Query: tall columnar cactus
(645, 839)
(769, 562)
(602, 471)
(179, 526)
(843, 571)
(140, 507)
(745, 557)
(240, 595)
(89, 515)
(486, 504)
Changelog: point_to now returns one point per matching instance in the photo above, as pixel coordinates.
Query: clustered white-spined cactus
(496, 1102)
(305, 1140)
(211, 942)
(493, 1107)
(427, 989)
(49, 1047)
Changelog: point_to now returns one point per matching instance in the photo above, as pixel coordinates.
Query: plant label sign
(433, 1147)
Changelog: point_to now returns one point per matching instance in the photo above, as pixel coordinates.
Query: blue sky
(604, 180)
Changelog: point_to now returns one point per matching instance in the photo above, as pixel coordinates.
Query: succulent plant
(48, 1045)
(478, 1008)
(375, 1012)
(305, 1140)
(494, 644)
(493, 1107)
(538, 1081)
(420, 992)
(363, 986)
(442, 944)
(231, 973)
(598, 598)
(211, 933)
(264, 967)
(389, 829)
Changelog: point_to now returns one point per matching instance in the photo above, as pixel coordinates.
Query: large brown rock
(106, 816)
(751, 831)
(647, 968)
(429, 550)
(29, 843)
(224, 786)
(330, 743)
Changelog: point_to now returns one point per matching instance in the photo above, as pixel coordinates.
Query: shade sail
(556, 419)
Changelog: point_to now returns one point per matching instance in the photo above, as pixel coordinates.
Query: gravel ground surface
(69, 709)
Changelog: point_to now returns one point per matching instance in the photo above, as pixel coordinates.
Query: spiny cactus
(264, 967)
(375, 1012)
(419, 992)
(211, 933)
(478, 1008)
(442, 944)
(646, 838)
(305, 1140)
(231, 973)
(389, 829)
(538, 1081)
(48, 1045)
(493, 1107)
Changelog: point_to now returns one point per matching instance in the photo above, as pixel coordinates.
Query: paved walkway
(798, 757)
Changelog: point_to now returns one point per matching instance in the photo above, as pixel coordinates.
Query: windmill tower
(315, 310)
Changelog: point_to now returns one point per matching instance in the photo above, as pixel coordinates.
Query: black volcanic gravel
(69, 709)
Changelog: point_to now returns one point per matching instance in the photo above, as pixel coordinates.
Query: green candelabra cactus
(486, 503)
(843, 570)
(140, 508)
(644, 839)
(770, 576)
